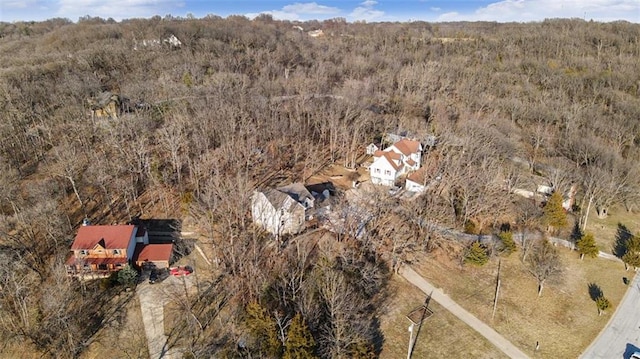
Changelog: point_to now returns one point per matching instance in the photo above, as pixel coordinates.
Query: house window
(116, 251)
(387, 172)
(377, 170)
(84, 252)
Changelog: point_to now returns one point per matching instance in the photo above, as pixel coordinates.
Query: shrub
(476, 254)
(508, 244)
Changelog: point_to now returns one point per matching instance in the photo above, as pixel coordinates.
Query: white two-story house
(283, 210)
(402, 157)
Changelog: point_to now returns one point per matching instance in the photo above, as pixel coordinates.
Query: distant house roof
(109, 237)
(152, 252)
(276, 198)
(297, 191)
(390, 154)
(392, 157)
(418, 176)
(407, 146)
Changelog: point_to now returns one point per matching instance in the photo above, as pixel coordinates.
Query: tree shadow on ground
(576, 233)
(595, 291)
(622, 236)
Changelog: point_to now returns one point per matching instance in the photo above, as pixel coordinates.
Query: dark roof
(297, 191)
(276, 198)
(109, 237)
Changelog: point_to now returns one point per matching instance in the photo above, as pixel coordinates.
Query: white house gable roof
(389, 161)
(407, 147)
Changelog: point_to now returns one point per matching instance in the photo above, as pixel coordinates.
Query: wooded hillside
(199, 126)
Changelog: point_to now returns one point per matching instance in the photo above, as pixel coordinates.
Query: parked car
(153, 277)
(180, 271)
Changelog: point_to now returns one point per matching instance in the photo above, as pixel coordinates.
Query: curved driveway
(621, 337)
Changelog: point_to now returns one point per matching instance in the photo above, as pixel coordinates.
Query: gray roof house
(283, 210)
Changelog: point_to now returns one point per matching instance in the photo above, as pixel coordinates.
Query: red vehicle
(180, 270)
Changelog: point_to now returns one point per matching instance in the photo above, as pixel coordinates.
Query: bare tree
(544, 263)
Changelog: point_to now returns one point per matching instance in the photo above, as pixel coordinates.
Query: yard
(564, 320)
(605, 229)
(122, 338)
(441, 336)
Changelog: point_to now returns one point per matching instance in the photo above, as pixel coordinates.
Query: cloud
(297, 11)
(538, 10)
(310, 8)
(116, 9)
(366, 12)
(435, 9)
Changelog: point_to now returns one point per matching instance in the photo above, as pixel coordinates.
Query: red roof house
(102, 249)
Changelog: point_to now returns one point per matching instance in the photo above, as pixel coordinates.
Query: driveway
(152, 298)
(152, 302)
(621, 337)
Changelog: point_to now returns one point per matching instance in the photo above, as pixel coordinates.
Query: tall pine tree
(554, 215)
(587, 246)
(632, 252)
(300, 343)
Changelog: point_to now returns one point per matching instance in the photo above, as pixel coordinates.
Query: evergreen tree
(476, 254)
(300, 343)
(508, 244)
(632, 252)
(586, 245)
(263, 328)
(603, 304)
(127, 276)
(554, 215)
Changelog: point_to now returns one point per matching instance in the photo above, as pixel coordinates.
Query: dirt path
(436, 294)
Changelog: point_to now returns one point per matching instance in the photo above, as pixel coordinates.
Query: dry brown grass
(564, 320)
(124, 338)
(605, 229)
(441, 336)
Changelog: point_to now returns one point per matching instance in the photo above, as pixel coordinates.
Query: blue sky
(368, 10)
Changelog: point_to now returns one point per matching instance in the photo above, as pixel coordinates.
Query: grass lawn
(441, 336)
(564, 320)
(605, 229)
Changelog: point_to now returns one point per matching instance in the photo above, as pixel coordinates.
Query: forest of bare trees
(205, 123)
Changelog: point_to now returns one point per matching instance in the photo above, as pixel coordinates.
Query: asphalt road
(621, 337)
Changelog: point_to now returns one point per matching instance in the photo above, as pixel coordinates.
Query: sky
(360, 10)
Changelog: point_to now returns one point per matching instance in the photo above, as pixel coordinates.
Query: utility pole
(410, 340)
(495, 300)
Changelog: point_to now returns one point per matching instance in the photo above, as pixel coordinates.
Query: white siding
(413, 186)
(382, 172)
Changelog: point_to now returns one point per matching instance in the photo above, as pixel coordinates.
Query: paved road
(436, 294)
(621, 337)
